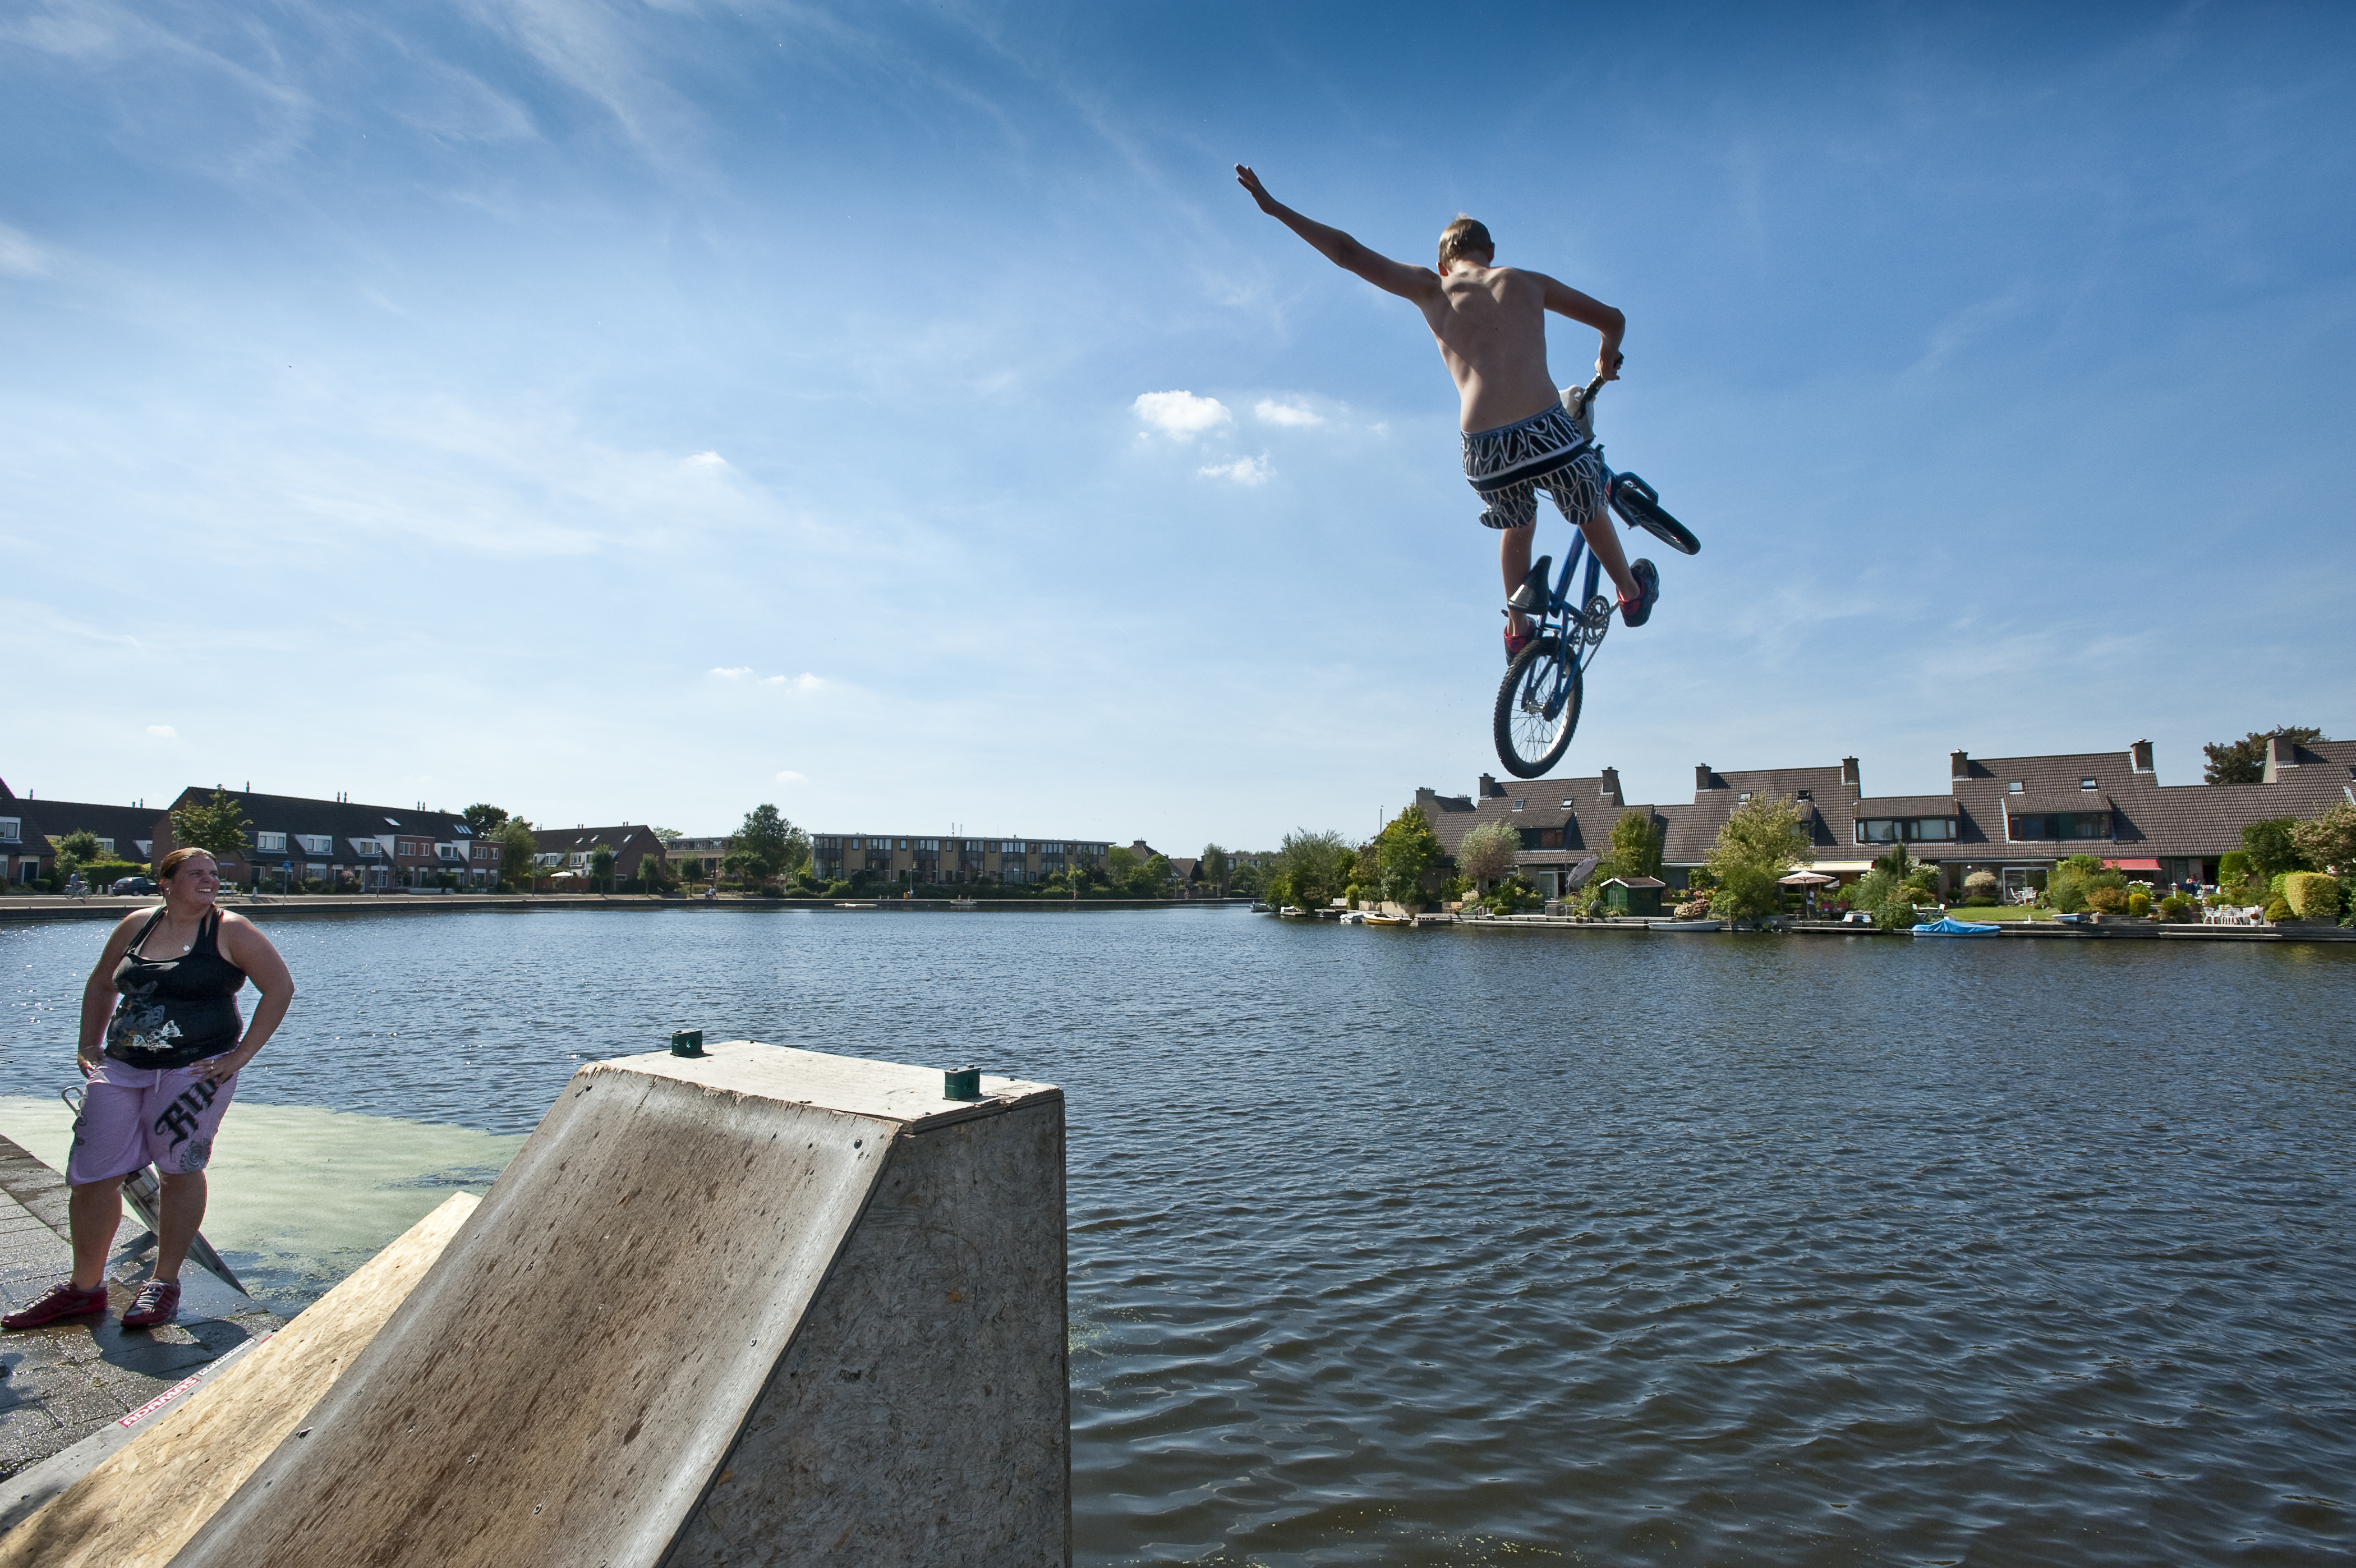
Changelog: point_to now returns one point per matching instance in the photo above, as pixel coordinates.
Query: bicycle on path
(1539, 701)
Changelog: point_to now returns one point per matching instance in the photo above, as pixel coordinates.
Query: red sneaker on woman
(158, 1302)
(62, 1301)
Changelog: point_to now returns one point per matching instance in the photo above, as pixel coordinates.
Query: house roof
(340, 820)
(2027, 803)
(1880, 806)
(42, 820)
(625, 840)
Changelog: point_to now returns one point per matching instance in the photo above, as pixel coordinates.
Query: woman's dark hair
(172, 861)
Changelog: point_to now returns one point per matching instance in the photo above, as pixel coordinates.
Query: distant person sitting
(1519, 439)
(161, 1047)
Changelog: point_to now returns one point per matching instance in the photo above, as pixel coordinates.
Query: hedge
(2312, 895)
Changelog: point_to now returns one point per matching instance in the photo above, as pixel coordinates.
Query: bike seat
(1532, 594)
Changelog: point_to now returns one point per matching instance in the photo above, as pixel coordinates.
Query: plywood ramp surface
(563, 1384)
(141, 1504)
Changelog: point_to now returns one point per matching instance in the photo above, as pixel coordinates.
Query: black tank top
(179, 1010)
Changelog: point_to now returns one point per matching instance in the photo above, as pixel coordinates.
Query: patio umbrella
(1806, 879)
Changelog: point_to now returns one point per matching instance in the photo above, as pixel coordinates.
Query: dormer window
(2013, 788)
(1519, 804)
(2087, 784)
(1744, 799)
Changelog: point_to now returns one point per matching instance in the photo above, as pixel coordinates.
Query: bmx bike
(1539, 701)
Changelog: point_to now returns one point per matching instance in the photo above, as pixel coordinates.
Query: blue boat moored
(1947, 926)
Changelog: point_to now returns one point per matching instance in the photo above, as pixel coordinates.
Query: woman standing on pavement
(162, 1083)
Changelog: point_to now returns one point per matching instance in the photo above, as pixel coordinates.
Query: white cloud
(164, 732)
(790, 776)
(20, 257)
(707, 460)
(1180, 413)
(1243, 470)
(739, 671)
(1271, 412)
(803, 683)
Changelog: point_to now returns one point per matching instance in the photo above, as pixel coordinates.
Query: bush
(2312, 895)
(1511, 894)
(2175, 907)
(2278, 912)
(1746, 891)
(2139, 904)
(2233, 868)
(1693, 909)
(2107, 900)
(1980, 887)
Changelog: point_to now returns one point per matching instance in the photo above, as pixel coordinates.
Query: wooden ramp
(761, 1306)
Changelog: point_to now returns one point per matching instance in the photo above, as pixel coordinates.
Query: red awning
(2131, 864)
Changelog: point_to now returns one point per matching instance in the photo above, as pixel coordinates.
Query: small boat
(1291, 912)
(1354, 917)
(1390, 919)
(1259, 908)
(1947, 926)
(855, 905)
(963, 904)
(1686, 925)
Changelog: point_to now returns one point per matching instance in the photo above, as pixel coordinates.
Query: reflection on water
(1398, 1246)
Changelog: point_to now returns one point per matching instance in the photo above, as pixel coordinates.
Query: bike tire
(1528, 743)
(1635, 503)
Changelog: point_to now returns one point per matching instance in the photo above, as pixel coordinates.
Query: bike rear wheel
(1633, 500)
(1537, 708)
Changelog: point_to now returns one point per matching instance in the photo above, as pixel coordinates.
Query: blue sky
(646, 410)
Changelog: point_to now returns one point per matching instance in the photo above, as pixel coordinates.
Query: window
(1519, 804)
(1744, 799)
(12, 830)
(2012, 787)
(2060, 825)
(1905, 829)
(2087, 784)
(1803, 795)
(316, 843)
(273, 841)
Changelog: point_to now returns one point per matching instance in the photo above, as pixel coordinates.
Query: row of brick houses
(2013, 816)
(921, 861)
(293, 841)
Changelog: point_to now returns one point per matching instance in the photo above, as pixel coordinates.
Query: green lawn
(1997, 913)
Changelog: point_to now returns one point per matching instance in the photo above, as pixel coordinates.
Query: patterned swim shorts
(134, 1116)
(1548, 451)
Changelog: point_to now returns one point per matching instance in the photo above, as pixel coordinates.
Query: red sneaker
(158, 1302)
(1515, 644)
(62, 1301)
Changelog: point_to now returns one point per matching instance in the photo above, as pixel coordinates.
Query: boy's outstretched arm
(1392, 277)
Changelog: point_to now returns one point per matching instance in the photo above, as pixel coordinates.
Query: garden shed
(1634, 895)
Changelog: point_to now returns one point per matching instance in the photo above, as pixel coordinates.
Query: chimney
(2280, 754)
(1489, 786)
(2140, 757)
(1959, 765)
(1611, 786)
(1701, 774)
(1852, 777)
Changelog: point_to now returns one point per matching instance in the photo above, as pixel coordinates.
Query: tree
(2273, 848)
(666, 835)
(654, 875)
(484, 820)
(1409, 849)
(2243, 761)
(2330, 840)
(217, 827)
(768, 846)
(1247, 880)
(1153, 879)
(1315, 866)
(1215, 868)
(1120, 865)
(601, 869)
(76, 850)
(517, 847)
(1636, 845)
(1486, 854)
(1761, 841)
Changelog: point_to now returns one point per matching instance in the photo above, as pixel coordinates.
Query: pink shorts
(134, 1116)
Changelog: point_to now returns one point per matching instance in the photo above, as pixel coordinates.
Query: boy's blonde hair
(1462, 238)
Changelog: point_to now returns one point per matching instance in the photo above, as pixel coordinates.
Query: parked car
(137, 886)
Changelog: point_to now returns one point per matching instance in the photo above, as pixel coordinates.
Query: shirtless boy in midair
(1518, 438)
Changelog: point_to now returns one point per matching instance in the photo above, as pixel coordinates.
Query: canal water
(1397, 1247)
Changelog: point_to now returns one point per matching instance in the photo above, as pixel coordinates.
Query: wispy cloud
(802, 683)
(1181, 414)
(1271, 412)
(1243, 470)
(164, 732)
(787, 776)
(20, 257)
(736, 672)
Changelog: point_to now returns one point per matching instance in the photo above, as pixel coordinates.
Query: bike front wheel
(1537, 708)
(1633, 500)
